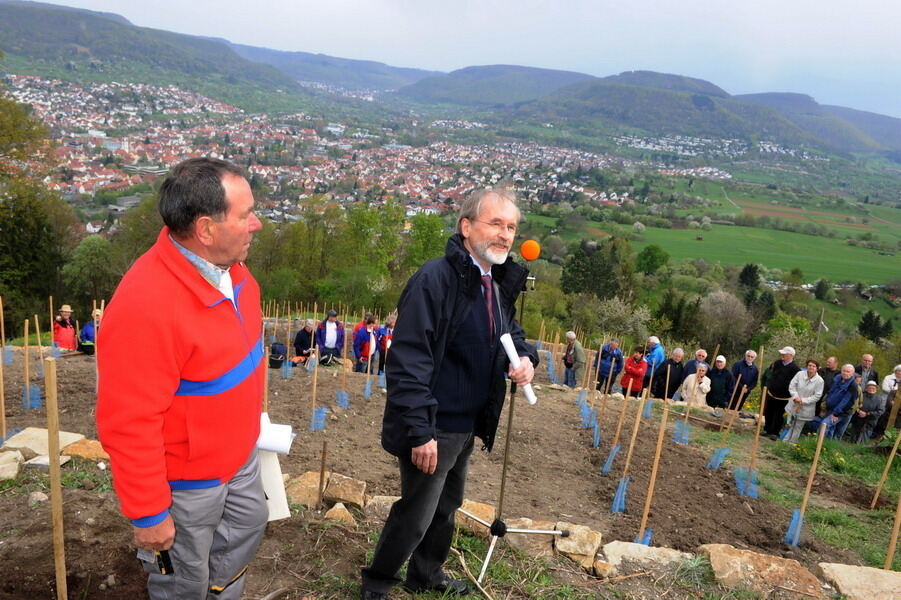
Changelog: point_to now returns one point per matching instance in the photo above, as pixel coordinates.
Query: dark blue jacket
(749, 373)
(721, 384)
(321, 331)
(609, 359)
(433, 307)
(841, 396)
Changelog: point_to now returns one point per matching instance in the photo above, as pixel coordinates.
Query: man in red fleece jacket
(179, 412)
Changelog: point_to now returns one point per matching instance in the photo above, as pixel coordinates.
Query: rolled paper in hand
(510, 349)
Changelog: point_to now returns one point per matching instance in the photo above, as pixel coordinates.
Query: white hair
(570, 335)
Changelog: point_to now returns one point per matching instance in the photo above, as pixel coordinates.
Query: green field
(815, 256)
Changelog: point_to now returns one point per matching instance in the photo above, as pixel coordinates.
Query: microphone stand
(498, 528)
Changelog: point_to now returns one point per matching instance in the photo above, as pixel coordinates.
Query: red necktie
(489, 303)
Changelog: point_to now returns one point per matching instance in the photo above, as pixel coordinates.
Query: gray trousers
(217, 532)
(420, 526)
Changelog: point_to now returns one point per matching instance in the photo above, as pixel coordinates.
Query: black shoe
(451, 587)
(773, 437)
(370, 595)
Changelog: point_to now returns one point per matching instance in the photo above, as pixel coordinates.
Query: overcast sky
(843, 52)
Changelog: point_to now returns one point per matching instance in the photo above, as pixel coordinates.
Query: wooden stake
(893, 542)
(622, 418)
(603, 411)
(50, 302)
(813, 468)
(2, 380)
(731, 399)
(315, 383)
(885, 471)
(666, 389)
(37, 330)
(2, 325)
(635, 426)
(321, 475)
(56, 492)
(753, 462)
(650, 497)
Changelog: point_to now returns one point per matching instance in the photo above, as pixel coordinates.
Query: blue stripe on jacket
(228, 380)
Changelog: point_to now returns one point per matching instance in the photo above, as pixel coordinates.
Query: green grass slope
(492, 85)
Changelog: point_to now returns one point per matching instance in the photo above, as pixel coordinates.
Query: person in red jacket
(64, 335)
(633, 372)
(180, 416)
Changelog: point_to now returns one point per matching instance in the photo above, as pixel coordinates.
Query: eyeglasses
(499, 226)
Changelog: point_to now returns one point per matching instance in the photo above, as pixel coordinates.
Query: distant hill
(881, 128)
(617, 107)
(77, 44)
(828, 126)
(666, 81)
(342, 72)
(492, 85)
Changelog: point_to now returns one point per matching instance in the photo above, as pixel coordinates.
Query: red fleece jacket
(181, 379)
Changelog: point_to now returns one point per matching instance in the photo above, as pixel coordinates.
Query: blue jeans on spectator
(842, 425)
(569, 377)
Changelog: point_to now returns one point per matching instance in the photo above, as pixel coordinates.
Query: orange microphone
(530, 250)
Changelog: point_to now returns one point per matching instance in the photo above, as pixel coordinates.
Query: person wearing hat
(64, 332)
(872, 406)
(305, 342)
(330, 338)
(88, 339)
(781, 373)
(721, 385)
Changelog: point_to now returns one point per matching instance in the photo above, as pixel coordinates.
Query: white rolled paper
(510, 349)
(274, 437)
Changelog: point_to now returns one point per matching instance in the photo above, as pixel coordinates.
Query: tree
(90, 273)
(604, 271)
(620, 318)
(872, 327)
(822, 289)
(651, 258)
(749, 277)
(723, 321)
(426, 240)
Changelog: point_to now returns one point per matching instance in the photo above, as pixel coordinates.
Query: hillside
(815, 119)
(881, 128)
(492, 85)
(666, 81)
(341, 72)
(618, 107)
(83, 45)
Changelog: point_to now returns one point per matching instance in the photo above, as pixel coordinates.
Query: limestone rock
(10, 462)
(581, 546)
(340, 513)
(37, 497)
(378, 507)
(603, 569)
(531, 544)
(345, 489)
(862, 583)
(646, 556)
(304, 490)
(35, 439)
(89, 449)
(736, 568)
(483, 511)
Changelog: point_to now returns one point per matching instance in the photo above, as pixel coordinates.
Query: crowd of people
(853, 402)
(66, 335)
(370, 343)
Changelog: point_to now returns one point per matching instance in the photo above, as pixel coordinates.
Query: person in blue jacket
(750, 374)
(839, 401)
(655, 356)
(608, 365)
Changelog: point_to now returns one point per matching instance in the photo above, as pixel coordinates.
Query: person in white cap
(781, 373)
(721, 385)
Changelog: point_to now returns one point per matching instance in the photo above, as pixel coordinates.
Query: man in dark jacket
(445, 376)
(670, 369)
(828, 373)
(781, 373)
(749, 376)
(866, 371)
(721, 385)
